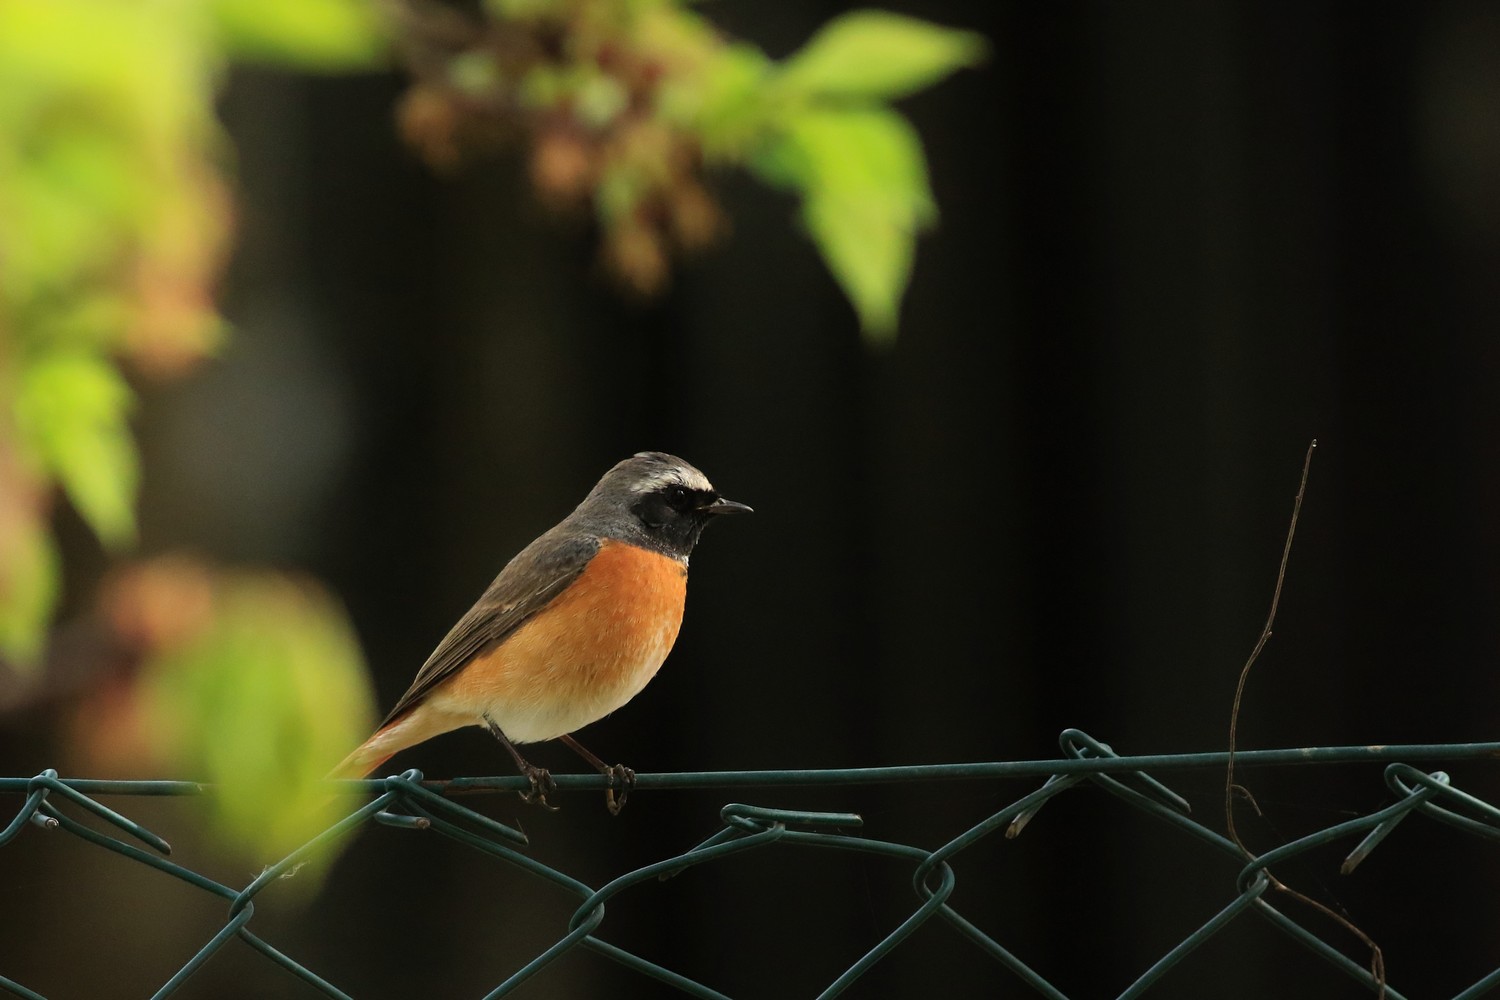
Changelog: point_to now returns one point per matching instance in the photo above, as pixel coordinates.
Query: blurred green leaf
(318, 35)
(28, 592)
(870, 254)
(874, 54)
(262, 701)
(725, 102)
(106, 118)
(71, 413)
(865, 197)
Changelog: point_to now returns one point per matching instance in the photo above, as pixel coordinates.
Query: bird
(573, 627)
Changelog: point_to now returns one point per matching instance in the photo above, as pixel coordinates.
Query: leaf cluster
(628, 107)
(116, 219)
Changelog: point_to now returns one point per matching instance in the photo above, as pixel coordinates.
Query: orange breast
(583, 656)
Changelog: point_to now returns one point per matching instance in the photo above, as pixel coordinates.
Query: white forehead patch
(673, 475)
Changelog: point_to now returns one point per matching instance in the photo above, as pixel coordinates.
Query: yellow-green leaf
(28, 592)
(875, 54)
(865, 196)
(870, 254)
(71, 413)
(318, 35)
(269, 695)
(724, 102)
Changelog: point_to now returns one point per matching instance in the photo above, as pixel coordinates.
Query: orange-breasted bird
(573, 627)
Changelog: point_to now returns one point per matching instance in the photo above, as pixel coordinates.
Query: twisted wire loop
(408, 802)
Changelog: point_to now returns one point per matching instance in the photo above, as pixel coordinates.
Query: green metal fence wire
(408, 802)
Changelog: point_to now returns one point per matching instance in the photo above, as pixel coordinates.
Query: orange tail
(420, 724)
(362, 761)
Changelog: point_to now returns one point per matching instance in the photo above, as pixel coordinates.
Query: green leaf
(870, 255)
(874, 54)
(317, 35)
(71, 411)
(28, 592)
(268, 696)
(865, 197)
(725, 102)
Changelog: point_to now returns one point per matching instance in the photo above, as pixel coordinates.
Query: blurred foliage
(116, 222)
(627, 104)
(250, 680)
(317, 36)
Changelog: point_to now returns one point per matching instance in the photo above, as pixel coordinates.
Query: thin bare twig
(1377, 958)
(1260, 644)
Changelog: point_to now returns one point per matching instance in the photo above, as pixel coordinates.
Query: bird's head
(659, 500)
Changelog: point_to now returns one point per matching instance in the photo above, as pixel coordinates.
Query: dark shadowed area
(1178, 241)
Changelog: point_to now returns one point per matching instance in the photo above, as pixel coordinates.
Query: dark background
(1179, 240)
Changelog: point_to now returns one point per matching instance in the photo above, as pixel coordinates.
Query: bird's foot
(542, 785)
(624, 778)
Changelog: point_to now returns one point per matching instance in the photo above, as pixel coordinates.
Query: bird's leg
(620, 774)
(542, 784)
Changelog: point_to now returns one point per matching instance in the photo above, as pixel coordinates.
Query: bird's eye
(677, 498)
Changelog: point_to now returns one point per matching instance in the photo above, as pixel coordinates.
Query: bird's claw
(542, 785)
(624, 777)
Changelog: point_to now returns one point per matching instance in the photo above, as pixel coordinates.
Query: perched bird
(572, 628)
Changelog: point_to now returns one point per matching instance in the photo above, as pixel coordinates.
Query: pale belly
(571, 693)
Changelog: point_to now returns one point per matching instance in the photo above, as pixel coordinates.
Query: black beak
(722, 506)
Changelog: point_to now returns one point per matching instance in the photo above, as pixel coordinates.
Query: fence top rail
(408, 802)
(1086, 762)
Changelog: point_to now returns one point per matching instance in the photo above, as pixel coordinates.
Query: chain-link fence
(410, 803)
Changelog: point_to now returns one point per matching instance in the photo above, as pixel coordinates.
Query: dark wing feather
(526, 585)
